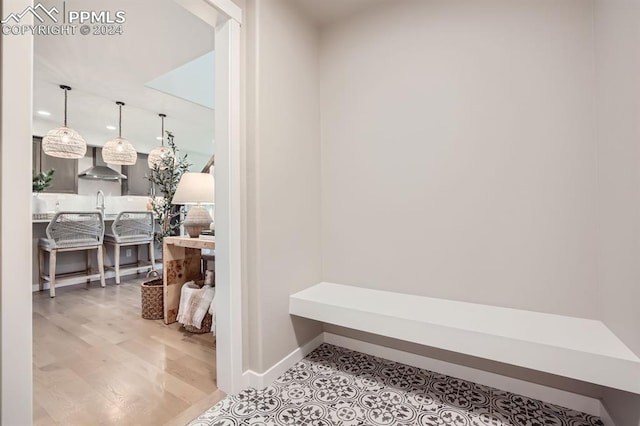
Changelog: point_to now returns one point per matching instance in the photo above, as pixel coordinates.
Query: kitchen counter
(46, 218)
(73, 262)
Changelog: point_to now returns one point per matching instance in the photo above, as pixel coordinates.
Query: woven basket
(152, 297)
(205, 327)
(207, 321)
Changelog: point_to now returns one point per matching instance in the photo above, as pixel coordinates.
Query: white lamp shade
(195, 188)
(64, 142)
(119, 151)
(157, 157)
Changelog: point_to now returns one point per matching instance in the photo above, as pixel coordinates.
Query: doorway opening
(16, 392)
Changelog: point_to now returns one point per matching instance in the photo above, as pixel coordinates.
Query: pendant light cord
(162, 116)
(66, 89)
(120, 122)
(65, 107)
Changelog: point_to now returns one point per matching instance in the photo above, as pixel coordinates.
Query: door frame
(228, 183)
(16, 82)
(16, 79)
(226, 17)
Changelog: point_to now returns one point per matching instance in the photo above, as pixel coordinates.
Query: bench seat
(577, 348)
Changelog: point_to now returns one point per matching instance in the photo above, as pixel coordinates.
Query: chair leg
(101, 266)
(152, 256)
(88, 270)
(40, 268)
(116, 261)
(52, 273)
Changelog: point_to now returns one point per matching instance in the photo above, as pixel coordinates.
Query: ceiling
(328, 11)
(158, 37)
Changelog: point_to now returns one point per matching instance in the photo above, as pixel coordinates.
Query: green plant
(42, 181)
(164, 178)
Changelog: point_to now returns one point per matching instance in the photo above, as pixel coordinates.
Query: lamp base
(198, 219)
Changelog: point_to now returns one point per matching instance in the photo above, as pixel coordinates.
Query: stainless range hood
(100, 170)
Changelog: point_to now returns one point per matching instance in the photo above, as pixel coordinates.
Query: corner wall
(459, 154)
(618, 100)
(617, 27)
(283, 177)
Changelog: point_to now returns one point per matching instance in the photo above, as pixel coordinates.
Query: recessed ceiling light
(159, 138)
(111, 127)
(45, 113)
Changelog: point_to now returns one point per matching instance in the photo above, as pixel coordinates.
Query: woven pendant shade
(64, 142)
(119, 151)
(157, 155)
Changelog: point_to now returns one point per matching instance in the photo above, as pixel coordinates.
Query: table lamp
(197, 189)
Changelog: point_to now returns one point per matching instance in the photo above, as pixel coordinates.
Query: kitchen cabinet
(65, 179)
(136, 182)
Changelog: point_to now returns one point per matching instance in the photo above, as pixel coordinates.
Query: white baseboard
(532, 390)
(262, 380)
(107, 274)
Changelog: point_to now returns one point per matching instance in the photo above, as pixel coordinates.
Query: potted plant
(40, 182)
(164, 178)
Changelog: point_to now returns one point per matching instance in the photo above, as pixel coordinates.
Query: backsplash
(113, 204)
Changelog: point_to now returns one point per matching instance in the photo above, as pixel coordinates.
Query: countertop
(46, 218)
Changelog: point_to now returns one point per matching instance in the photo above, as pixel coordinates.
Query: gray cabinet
(136, 182)
(65, 179)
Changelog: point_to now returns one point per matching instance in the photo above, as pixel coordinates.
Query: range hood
(100, 170)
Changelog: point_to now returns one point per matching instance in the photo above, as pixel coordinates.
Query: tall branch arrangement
(164, 178)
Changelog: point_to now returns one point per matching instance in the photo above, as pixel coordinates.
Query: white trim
(605, 417)
(202, 10)
(15, 224)
(213, 12)
(228, 8)
(262, 380)
(228, 205)
(532, 390)
(228, 177)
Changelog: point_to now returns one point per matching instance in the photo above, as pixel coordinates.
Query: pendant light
(157, 155)
(64, 142)
(119, 151)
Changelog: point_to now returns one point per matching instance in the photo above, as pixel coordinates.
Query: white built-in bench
(577, 348)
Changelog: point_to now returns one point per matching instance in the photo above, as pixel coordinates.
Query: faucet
(100, 201)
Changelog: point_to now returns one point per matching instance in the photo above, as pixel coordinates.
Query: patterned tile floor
(334, 386)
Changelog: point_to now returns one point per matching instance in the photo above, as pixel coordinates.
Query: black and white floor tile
(334, 386)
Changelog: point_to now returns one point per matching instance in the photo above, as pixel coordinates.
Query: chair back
(76, 229)
(133, 226)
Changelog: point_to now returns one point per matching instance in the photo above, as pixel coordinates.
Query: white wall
(618, 54)
(15, 224)
(458, 152)
(283, 177)
(618, 102)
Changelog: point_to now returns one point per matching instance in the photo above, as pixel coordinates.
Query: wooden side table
(181, 263)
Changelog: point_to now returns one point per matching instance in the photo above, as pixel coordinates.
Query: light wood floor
(96, 361)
